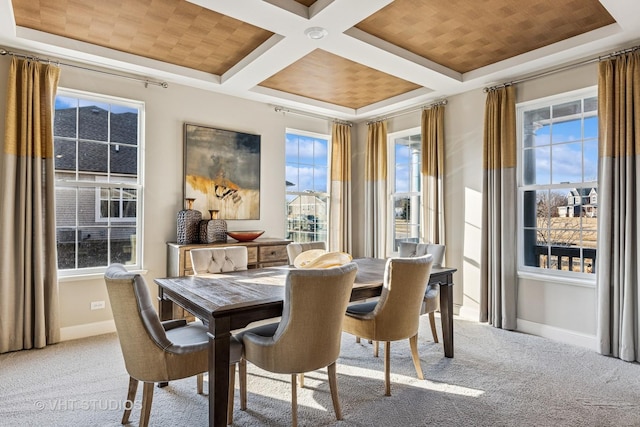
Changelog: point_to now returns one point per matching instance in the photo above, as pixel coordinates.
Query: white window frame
(98, 213)
(326, 137)
(114, 183)
(391, 166)
(539, 273)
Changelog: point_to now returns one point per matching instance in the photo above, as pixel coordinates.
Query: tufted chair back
(219, 260)
(409, 249)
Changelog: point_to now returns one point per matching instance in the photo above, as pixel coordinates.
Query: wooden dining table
(230, 301)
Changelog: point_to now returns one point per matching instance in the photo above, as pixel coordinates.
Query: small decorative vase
(188, 221)
(213, 230)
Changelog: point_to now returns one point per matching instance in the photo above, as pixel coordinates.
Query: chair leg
(387, 368)
(294, 401)
(200, 382)
(432, 322)
(147, 400)
(333, 386)
(243, 384)
(131, 397)
(301, 380)
(232, 386)
(413, 343)
(358, 340)
(375, 349)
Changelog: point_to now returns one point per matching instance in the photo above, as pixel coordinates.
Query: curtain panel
(433, 174)
(28, 262)
(375, 191)
(498, 267)
(618, 261)
(340, 206)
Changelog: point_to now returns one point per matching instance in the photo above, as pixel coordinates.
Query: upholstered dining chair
(430, 305)
(295, 249)
(308, 336)
(156, 351)
(395, 316)
(219, 259)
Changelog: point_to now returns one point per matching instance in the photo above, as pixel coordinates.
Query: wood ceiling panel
(330, 78)
(468, 34)
(173, 31)
(307, 3)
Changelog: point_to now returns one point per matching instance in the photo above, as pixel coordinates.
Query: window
(558, 173)
(307, 181)
(405, 187)
(98, 182)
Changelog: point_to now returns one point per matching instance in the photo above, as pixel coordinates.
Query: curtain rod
(315, 116)
(411, 110)
(564, 68)
(56, 62)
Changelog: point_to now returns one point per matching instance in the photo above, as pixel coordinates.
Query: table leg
(165, 306)
(219, 344)
(165, 311)
(446, 316)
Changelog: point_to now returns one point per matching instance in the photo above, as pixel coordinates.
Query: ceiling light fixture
(316, 33)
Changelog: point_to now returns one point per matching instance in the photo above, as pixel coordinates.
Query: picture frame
(222, 171)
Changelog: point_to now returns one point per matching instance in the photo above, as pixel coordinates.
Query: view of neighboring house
(307, 219)
(580, 202)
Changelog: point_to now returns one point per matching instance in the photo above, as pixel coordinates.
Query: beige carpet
(497, 378)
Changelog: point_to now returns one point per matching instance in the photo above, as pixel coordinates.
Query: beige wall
(559, 310)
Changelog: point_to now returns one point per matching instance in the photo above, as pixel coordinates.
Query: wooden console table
(263, 252)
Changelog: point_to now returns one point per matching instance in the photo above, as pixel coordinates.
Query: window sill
(561, 280)
(90, 276)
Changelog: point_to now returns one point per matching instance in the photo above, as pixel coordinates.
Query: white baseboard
(470, 313)
(88, 330)
(557, 334)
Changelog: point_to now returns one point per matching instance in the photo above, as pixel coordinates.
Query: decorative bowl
(245, 236)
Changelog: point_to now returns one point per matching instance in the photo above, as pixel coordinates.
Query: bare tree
(552, 228)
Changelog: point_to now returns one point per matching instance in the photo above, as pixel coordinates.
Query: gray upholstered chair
(156, 351)
(395, 316)
(219, 259)
(430, 305)
(295, 249)
(308, 336)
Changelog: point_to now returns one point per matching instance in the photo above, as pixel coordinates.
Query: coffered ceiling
(377, 57)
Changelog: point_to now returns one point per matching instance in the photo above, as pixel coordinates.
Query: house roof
(378, 56)
(90, 127)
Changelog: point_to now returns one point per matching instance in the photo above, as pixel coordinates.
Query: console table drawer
(273, 253)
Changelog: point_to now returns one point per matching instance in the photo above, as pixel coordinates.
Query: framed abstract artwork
(222, 171)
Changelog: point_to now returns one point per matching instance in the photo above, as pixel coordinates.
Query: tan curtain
(498, 267)
(28, 277)
(340, 215)
(375, 190)
(618, 263)
(433, 173)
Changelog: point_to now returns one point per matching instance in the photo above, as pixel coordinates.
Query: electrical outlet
(97, 305)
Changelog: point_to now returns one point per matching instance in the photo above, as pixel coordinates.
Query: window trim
(89, 272)
(537, 273)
